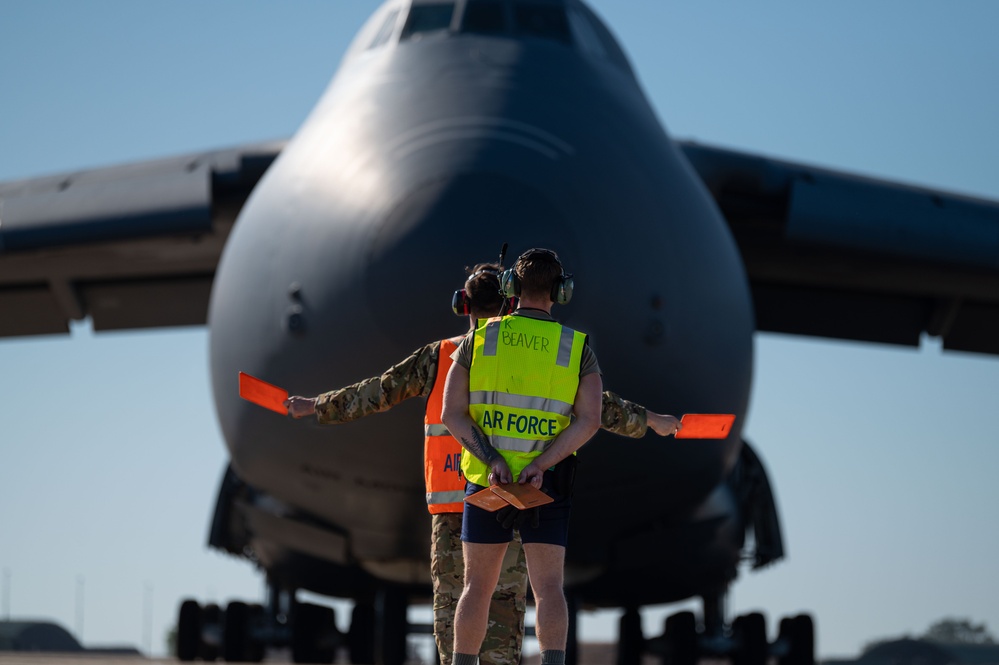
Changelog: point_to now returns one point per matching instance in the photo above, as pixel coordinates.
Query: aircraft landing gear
(631, 642)
(199, 632)
(796, 641)
(189, 631)
(314, 636)
(238, 624)
(749, 632)
(242, 632)
(361, 636)
(683, 642)
(572, 635)
(680, 639)
(391, 606)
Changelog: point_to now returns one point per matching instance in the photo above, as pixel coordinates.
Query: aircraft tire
(235, 635)
(751, 634)
(631, 642)
(680, 632)
(572, 632)
(211, 623)
(361, 636)
(392, 627)
(802, 640)
(310, 625)
(255, 650)
(784, 636)
(188, 631)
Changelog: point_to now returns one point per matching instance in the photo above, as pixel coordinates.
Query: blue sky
(883, 459)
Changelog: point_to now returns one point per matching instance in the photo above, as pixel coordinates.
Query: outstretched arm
(627, 418)
(663, 424)
(413, 377)
(300, 407)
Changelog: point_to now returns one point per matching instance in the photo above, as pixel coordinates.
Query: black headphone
(461, 303)
(561, 290)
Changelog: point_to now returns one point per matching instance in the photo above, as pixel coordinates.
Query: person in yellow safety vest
(422, 374)
(523, 394)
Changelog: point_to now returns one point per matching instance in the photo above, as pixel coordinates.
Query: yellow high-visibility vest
(522, 384)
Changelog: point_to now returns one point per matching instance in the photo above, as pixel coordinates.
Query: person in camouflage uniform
(415, 377)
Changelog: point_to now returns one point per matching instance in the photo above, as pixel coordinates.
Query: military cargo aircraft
(450, 129)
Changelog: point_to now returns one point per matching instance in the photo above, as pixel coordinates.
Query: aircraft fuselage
(425, 156)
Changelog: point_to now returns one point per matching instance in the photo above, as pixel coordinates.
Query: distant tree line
(949, 630)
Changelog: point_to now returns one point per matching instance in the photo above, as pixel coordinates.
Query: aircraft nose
(442, 226)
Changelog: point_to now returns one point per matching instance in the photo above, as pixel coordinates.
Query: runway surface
(595, 655)
(76, 659)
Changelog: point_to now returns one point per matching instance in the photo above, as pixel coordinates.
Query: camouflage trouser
(505, 632)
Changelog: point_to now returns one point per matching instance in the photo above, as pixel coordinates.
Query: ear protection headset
(561, 292)
(461, 303)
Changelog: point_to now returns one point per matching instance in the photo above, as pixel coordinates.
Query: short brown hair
(538, 271)
(482, 287)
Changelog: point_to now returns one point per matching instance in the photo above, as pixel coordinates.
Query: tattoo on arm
(480, 447)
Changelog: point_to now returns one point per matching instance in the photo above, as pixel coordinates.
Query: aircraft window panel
(610, 46)
(585, 36)
(484, 16)
(385, 32)
(427, 18)
(542, 20)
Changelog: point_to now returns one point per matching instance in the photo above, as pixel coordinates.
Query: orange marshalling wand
(262, 393)
(705, 425)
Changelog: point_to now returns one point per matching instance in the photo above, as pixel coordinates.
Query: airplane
(373, 192)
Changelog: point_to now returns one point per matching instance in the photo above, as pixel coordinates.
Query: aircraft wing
(836, 255)
(131, 246)
(828, 254)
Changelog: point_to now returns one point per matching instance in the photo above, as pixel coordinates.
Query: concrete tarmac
(30, 658)
(593, 654)
(34, 658)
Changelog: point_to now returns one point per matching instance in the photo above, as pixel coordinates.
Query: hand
(532, 474)
(662, 424)
(499, 472)
(300, 407)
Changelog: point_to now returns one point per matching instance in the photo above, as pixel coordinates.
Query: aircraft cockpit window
(385, 31)
(542, 20)
(484, 16)
(586, 37)
(427, 18)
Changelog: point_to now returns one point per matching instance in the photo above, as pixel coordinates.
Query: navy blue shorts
(481, 526)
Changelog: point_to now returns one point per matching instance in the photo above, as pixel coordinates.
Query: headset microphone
(509, 302)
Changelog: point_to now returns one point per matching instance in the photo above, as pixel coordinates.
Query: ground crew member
(422, 374)
(523, 394)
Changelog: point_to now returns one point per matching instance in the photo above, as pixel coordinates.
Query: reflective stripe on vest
(439, 429)
(564, 342)
(441, 452)
(456, 497)
(522, 384)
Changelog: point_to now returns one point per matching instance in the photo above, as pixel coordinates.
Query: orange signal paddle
(262, 393)
(705, 425)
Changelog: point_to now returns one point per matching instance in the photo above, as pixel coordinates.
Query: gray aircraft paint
(425, 156)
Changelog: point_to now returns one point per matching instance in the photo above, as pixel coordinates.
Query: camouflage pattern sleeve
(413, 377)
(620, 416)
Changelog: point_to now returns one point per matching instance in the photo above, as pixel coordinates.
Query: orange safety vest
(441, 452)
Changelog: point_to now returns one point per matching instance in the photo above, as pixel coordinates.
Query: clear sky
(883, 459)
